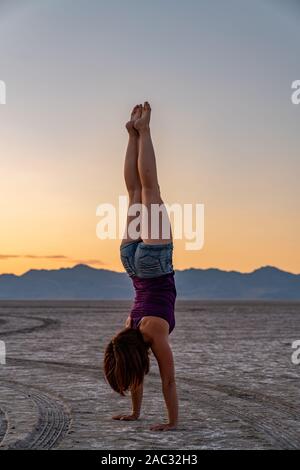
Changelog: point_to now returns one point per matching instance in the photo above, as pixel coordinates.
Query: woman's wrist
(173, 422)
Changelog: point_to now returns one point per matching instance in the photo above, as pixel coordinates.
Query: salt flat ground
(238, 387)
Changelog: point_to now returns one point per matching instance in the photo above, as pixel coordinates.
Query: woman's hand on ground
(123, 417)
(163, 427)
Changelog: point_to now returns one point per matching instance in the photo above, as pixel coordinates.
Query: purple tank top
(154, 297)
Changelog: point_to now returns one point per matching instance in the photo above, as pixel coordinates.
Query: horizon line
(87, 265)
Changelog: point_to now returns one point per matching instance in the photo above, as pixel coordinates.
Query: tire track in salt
(53, 423)
(281, 436)
(3, 425)
(43, 323)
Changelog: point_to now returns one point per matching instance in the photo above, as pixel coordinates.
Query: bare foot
(143, 123)
(136, 114)
(163, 427)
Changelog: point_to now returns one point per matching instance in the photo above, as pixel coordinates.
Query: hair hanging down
(126, 360)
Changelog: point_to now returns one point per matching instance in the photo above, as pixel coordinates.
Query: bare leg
(131, 175)
(159, 230)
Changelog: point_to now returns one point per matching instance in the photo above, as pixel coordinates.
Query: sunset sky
(218, 76)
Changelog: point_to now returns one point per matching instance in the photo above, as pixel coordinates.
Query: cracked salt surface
(237, 385)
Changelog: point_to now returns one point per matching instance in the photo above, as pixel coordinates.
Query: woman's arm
(136, 398)
(163, 353)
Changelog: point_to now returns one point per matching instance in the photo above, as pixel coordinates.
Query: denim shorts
(147, 261)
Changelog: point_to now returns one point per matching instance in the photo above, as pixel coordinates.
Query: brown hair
(126, 360)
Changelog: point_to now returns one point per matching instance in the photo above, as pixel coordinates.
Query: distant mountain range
(83, 282)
